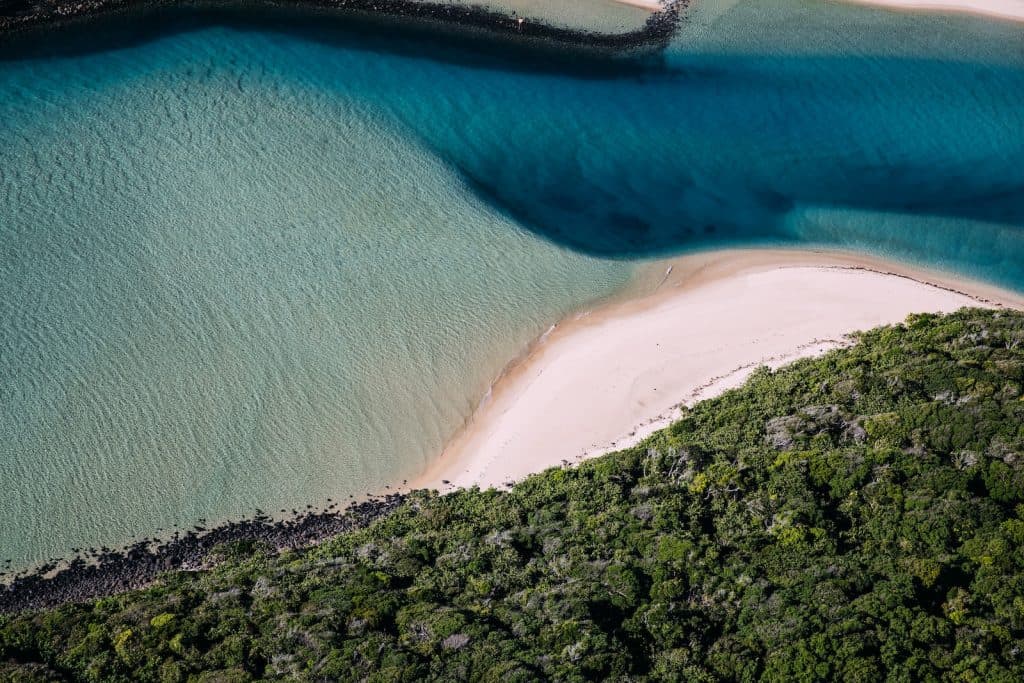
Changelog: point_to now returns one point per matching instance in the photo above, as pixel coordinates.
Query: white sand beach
(1003, 9)
(610, 377)
(653, 5)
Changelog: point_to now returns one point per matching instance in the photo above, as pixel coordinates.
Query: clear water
(260, 263)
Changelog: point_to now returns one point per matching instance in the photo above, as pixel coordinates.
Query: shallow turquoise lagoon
(261, 263)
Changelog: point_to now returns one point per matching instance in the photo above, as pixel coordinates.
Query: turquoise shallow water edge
(261, 262)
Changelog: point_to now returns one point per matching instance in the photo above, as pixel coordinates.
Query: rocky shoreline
(657, 30)
(100, 572)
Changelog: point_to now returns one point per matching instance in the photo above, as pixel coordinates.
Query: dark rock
(141, 563)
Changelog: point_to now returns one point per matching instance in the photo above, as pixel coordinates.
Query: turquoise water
(261, 263)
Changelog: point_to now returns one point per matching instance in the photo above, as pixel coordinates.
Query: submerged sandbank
(607, 378)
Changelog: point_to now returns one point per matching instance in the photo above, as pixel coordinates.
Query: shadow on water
(624, 157)
(916, 159)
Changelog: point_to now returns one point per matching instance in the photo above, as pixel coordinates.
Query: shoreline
(99, 572)
(656, 31)
(545, 401)
(1008, 10)
(650, 5)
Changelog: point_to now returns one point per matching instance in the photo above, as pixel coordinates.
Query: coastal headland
(812, 299)
(691, 328)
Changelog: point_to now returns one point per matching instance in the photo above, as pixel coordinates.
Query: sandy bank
(607, 378)
(652, 5)
(1003, 9)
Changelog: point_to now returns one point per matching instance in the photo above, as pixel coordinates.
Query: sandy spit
(652, 5)
(1002, 9)
(697, 326)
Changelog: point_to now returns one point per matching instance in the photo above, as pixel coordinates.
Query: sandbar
(1003, 9)
(652, 5)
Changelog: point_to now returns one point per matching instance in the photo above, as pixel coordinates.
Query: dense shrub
(856, 517)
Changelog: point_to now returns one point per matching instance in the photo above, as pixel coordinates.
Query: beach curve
(1009, 10)
(605, 379)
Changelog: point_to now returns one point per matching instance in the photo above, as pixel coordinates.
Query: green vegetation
(857, 517)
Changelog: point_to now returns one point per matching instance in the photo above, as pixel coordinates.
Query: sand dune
(606, 379)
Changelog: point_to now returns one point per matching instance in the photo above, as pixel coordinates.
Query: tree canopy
(857, 517)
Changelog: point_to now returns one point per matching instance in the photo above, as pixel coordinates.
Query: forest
(854, 517)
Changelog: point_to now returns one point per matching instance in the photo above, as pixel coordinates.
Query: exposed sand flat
(653, 5)
(1003, 9)
(608, 378)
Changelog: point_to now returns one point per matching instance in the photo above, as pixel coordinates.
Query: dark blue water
(299, 249)
(916, 158)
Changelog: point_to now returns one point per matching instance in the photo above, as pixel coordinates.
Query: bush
(854, 517)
